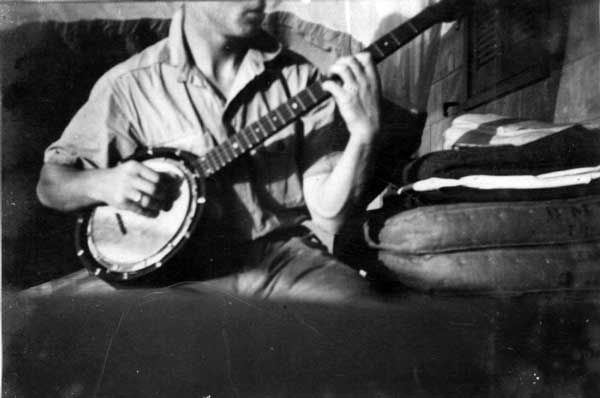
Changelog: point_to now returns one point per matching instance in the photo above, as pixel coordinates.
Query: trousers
(292, 265)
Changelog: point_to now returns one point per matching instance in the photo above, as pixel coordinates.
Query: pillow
(543, 267)
(502, 246)
(475, 226)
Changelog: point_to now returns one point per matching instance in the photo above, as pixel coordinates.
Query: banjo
(119, 246)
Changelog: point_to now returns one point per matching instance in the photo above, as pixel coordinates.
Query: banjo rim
(99, 268)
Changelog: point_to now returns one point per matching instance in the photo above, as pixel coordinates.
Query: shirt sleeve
(98, 135)
(325, 136)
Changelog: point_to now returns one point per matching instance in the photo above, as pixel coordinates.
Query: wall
(406, 75)
(570, 94)
(359, 17)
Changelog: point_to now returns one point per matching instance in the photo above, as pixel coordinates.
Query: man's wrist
(362, 139)
(98, 183)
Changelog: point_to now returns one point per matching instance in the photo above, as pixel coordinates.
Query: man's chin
(250, 31)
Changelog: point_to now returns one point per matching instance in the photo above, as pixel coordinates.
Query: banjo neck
(288, 112)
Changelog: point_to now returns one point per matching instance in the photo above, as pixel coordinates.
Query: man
(216, 73)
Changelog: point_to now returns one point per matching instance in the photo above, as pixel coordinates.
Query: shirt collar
(177, 54)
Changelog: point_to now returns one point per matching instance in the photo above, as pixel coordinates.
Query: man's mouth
(256, 14)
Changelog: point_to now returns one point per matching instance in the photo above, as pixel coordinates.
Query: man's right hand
(135, 187)
(129, 186)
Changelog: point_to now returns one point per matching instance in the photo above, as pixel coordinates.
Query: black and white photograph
(300, 198)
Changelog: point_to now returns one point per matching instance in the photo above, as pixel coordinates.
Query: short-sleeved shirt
(158, 98)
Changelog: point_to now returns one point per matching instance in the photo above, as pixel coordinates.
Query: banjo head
(120, 245)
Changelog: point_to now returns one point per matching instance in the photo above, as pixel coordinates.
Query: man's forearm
(66, 189)
(333, 197)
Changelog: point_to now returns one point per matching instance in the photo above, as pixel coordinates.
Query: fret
(307, 101)
(288, 108)
(244, 134)
(312, 96)
(272, 120)
(297, 105)
(204, 165)
(276, 119)
(259, 130)
(394, 38)
(283, 119)
(375, 46)
(212, 165)
(406, 32)
(224, 155)
(299, 102)
(422, 21)
(228, 151)
(236, 145)
(242, 138)
(410, 25)
(263, 129)
(386, 44)
(218, 160)
(254, 133)
(233, 146)
(223, 151)
(214, 162)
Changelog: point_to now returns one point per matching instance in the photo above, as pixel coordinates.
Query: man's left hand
(357, 94)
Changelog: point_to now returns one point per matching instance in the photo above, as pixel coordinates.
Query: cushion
(474, 226)
(500, 246)
(543, 267)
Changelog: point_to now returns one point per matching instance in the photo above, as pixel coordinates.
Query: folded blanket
(556, 179)
(493, 130)
(454, 195)
(571, 148)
